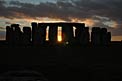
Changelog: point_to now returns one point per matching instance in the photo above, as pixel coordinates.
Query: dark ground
(65, 63)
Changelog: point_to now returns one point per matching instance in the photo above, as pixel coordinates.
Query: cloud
(65, 9)
(100, 11)
(2, 28)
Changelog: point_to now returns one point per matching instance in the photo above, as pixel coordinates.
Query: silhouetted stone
(79, 33)
(109, 37)
(16, 34)
(26, 35)
(104, 37)
(34, 32)
(42, 33)
(95, 36)
(67, 33)
(86, 36)
(8, 34)
(53, 32)
(70, 34)
(99, 36)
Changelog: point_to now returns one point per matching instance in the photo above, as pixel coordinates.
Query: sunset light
(59, 37)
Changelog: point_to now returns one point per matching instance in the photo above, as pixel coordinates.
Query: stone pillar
(26, 35)
(96, 36)
(17, 34)
(67, 33)
(42, 33)
(34, 32)
(86, 37)
(8, 33)
(80, 31)
(109, 37)
(53, 32)
(104, 38)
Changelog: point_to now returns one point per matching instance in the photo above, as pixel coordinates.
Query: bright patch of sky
(7, 22)
(32, 1)
(111, 23)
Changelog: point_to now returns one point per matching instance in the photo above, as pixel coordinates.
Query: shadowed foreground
(65, 63)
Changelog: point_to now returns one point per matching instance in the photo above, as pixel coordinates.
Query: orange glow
(114, 25)
(46, 20)
(47, 34)
(116, 38)
(59, 36)
(88, 22)
(21, 15)
(74, 29)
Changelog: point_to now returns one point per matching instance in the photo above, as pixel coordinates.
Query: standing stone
(26, 35)
(53, 32)
(80, 30)
(42, 33)
(34, 32)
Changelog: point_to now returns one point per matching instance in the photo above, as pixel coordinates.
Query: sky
(94, 13)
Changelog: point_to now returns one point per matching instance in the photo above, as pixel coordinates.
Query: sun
(59, 36)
